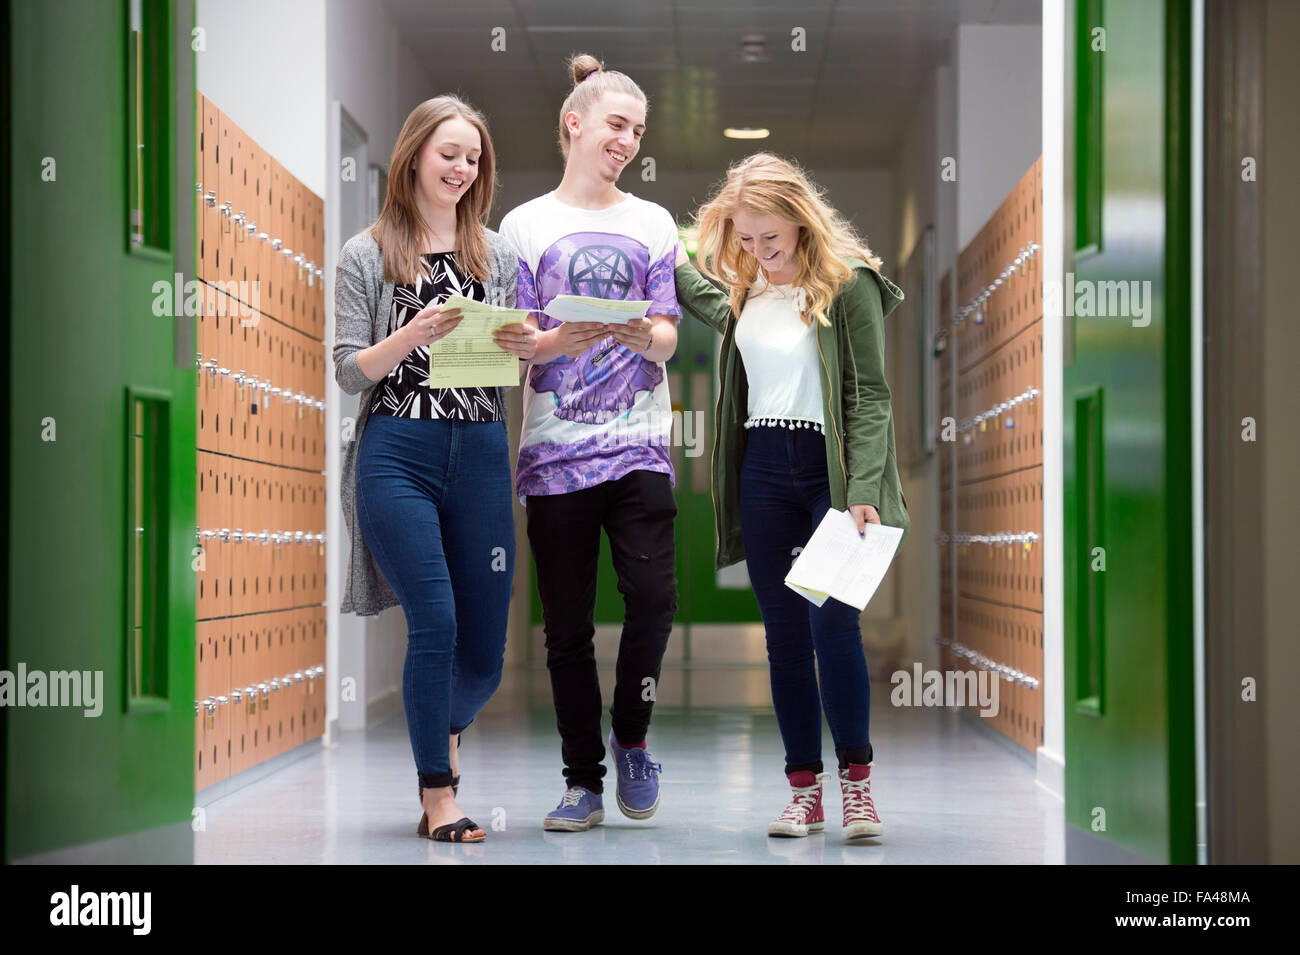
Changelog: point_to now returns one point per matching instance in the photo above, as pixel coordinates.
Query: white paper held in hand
(584, 308)
(837, 563)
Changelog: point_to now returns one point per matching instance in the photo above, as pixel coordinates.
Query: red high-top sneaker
(860, 817)
(804, 814)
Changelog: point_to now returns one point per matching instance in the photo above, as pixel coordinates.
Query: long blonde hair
(587, 91)
(766, 185)
(400, 225)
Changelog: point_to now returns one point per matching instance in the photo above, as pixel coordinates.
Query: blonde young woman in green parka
(803, 423)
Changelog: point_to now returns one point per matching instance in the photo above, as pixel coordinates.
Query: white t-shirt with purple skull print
(606, 413)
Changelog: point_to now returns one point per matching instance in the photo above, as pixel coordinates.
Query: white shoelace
(803, 802)
(572, 797)
(858, 805)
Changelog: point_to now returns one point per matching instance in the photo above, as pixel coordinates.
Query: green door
(101, 406)
(1127, 426)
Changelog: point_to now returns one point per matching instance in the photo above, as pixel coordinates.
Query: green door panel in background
(1129, 728)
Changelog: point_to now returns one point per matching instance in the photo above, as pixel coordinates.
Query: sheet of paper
(816, 596)
(839, 563)
(583, 308)
(468, 357)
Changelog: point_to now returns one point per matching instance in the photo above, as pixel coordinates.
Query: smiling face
(607, 139)
(770, 240)
(447, 163)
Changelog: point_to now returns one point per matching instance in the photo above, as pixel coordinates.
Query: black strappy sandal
(423, 828)
(452, 832)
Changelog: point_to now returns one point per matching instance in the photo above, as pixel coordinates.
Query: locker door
(1127, 412)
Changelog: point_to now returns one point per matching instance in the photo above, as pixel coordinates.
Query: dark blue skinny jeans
(434, 507)
(815, 653)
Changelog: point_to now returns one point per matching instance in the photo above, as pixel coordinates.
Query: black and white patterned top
(405, 393)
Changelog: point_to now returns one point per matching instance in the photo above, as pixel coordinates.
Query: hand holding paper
(469, 356)
(584, 308)
(838, 563)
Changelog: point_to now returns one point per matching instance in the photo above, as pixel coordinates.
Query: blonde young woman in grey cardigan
(427, 478)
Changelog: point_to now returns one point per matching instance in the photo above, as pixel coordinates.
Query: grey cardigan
(362, 303)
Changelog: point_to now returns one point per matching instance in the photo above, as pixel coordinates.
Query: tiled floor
(946, 790)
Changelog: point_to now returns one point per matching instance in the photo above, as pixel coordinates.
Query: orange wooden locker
(279, 241)
(255, 552)
(207, 516)
(307, 423)
(208, 392)
(238, 716)
(293, 433)
(219, 555)
(225, 198)
(292, 250)
(282, 704)
(318, 549)
(299, 667)
(253, 555)
(245, 212)
(280, 411)
(263, 638)
(301, 254)
(236, 546)
(273, 553)
(201, 710)
(209, 225)
(305, 524)
(264, 232)
(221, 671)
(239, 362)
(264, 429)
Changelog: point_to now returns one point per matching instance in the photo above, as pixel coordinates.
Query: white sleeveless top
(781, 361)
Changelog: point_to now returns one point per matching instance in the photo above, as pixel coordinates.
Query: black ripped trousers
(637, 512)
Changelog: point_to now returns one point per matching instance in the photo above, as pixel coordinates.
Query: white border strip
(1051, 755)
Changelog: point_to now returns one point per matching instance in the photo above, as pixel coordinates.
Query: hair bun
(583, 65)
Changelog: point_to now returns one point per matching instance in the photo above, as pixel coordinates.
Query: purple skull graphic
(598, 385)
(602, 382)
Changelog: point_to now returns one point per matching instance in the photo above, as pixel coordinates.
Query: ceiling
(844, 101)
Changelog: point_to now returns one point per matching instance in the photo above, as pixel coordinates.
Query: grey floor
(948, 791)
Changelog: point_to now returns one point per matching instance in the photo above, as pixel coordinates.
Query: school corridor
(1078, 656)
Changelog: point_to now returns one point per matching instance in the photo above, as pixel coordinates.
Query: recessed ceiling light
(753, 48)
(745, 132)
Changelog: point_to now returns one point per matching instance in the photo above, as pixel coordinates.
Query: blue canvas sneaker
(579, 809)
(638, 779)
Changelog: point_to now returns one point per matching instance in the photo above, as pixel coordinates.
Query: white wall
(1051, 755)
(999, 107)
(923, 200)
(269, 79)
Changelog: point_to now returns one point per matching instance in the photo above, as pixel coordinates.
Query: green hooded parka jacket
(858, 419)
